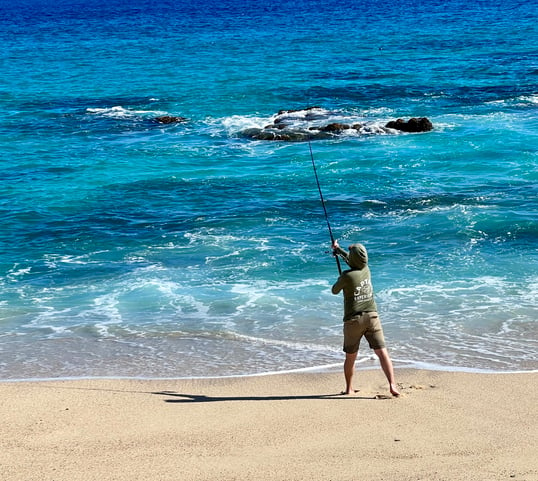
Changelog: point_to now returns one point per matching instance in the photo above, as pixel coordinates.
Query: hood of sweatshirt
(358, 257)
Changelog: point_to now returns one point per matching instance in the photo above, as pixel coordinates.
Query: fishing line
(323, 203)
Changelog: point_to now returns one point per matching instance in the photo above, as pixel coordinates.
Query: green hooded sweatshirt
(355, 282)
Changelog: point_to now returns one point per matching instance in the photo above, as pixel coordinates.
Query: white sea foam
(295, 345)
(521, 101)
(17, 271)
(237, 123)
(119, 112)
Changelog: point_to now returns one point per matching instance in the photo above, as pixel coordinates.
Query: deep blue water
(135, 248)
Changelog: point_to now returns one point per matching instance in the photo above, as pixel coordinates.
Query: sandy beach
(445, 426)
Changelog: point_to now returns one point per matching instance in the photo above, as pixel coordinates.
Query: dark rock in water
(169, 119)
(422, 124)
(272, 133)
(334, 127)
(276, 126)
(313, 123)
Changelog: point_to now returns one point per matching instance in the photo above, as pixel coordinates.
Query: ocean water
(133, 248)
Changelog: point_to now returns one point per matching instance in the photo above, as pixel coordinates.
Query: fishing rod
(323, 204)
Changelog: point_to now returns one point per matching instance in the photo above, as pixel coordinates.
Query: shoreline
(445, 426)
(329, 369)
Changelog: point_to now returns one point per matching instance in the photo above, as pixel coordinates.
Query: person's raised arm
(338, 251)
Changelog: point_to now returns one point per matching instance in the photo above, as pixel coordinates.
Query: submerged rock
(169, 119)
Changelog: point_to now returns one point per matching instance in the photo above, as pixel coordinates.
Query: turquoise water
(135, 248)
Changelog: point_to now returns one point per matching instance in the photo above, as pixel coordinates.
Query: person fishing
(360, 314)
(360, 311)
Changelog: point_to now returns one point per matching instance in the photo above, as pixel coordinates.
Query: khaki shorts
(368, 325)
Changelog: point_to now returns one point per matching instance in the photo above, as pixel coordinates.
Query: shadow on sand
(200, 398)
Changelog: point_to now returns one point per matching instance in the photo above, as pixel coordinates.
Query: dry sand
(445, 426)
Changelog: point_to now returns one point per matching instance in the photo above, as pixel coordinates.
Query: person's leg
(349, 370)
(386, 365)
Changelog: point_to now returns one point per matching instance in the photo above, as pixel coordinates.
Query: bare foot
(394, 390)
(349, 393)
